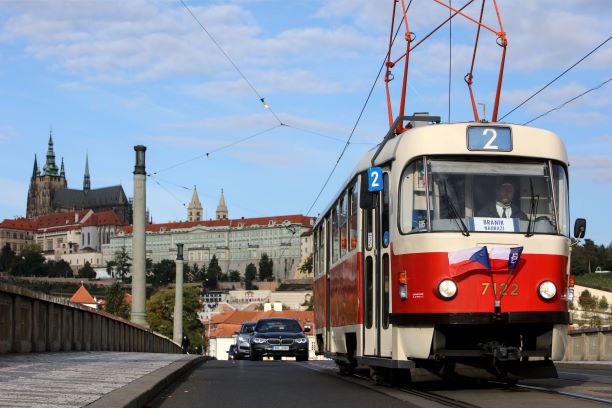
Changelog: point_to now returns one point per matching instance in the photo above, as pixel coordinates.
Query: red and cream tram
(459, 265)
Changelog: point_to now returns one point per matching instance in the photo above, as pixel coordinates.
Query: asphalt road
(270, 384)
(290, 384)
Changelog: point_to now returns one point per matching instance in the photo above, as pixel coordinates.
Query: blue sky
(107, 75)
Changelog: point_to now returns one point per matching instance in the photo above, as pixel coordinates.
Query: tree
(199, 273)
(7, 257)
(115, 301)
(265, 268)
(587, 301)
(602, 304)
(110, 268)
(306, 267)
(87, 272)
(213, 273)
(234, 276)
(31, 262)
(59, 269)
(250, 273)
(123, 264)
(160, 310)
(162, 273)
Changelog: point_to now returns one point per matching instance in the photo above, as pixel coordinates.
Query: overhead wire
(365, 104)
(301, 129)
(450, 55)
(557, 77)
(569, 101)
(231, 61)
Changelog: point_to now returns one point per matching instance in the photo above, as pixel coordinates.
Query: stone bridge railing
(35, 322)
(593, 344)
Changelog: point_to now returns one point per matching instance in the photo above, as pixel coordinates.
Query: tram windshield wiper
(455, 214)
(533, 209)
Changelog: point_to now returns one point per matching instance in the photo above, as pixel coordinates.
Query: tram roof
(451, 139)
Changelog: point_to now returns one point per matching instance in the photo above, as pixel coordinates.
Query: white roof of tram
(451, 139)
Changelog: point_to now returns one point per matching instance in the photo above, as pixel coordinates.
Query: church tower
(86, 178)
(195, 210)
(222, 208)
(43, 185)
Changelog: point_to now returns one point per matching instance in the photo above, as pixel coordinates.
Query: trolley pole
(178, 299)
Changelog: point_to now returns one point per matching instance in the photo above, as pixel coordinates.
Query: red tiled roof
(19, 224)
(306, 318)
(103, 218)
(246, 222)
(226, 330)
(63, 219)
(82, 296)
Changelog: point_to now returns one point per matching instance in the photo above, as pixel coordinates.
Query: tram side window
(343, 216)
(317, 254)
(413, 201)
(562, 197)
(335, 235)
(354, 196)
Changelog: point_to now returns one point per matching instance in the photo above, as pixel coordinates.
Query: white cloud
(597, 167)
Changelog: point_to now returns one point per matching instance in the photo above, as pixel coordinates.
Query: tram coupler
(500, 352)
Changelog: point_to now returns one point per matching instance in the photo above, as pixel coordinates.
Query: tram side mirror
(366, 197)
(579, 228)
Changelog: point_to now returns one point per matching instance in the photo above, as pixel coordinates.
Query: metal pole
(178, 298)
(139, 313)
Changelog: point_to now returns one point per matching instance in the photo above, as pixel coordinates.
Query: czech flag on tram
(468, 260)
(505, 259)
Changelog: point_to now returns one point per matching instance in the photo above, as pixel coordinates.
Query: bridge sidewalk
(96, 379)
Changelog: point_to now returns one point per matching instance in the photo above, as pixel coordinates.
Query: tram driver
(503, 207)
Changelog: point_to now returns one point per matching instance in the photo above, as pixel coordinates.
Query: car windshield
(247, 328)
(278, 326)
(484, 196)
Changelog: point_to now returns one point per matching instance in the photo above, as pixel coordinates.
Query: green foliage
(602, 281)
(306, 267)
(7, 257)
(87, 272)
(115, 301)
(602, 304)
(589, 256)
(110, 268)
(160, 310)
(309, 303)
(266, 266)
(122, 263)
(234, 276)
(162, 273)
(59, 269)
(293, 287)
(213, 273)
(250, 273)
(587, 301)
(30, 263)
(199, 273)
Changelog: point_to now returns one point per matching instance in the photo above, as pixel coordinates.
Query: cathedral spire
(222, 208)
(194, 210)
(62, 171)
(86, 178)
(35, 171)
(50, 168)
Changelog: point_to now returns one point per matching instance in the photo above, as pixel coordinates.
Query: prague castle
(49, 192)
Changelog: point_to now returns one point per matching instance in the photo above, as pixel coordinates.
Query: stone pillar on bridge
(178, 299)
(139, 313)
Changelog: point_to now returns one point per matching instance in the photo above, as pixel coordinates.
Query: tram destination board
(489, 138)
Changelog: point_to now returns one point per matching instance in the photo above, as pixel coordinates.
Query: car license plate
(280, 348)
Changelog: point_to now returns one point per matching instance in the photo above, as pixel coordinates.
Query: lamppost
(178, 298)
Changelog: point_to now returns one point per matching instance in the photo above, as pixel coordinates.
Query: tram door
(377, 273)
(327, 287)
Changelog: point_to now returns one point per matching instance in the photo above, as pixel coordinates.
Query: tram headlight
(447, 289)
(547, 290)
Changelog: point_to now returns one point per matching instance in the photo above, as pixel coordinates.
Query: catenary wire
(557, 77)
(261, 98)
(450, 56)
(301, 129)
(348, 141)
(569, 101)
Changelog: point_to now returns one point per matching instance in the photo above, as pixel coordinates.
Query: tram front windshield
(472, 195)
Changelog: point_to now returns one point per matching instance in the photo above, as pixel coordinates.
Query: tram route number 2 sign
(375, 179)
(496, 138)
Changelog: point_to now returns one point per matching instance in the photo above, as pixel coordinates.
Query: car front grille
(287, 342)
(284, 342)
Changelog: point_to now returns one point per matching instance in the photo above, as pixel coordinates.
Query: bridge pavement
(76, 379)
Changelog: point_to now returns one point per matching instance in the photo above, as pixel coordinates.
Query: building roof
(226, 330)
(23, 224)
(82, 296)
(103, 218)
(234, 223)
(236, 318)
(62, 219)
(100, 197)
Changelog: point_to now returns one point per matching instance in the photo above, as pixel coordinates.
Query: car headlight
(301, 340)
(243, 339)
(258, 340)
(547, 290)
(447, 289)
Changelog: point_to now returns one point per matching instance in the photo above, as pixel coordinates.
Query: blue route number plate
(493, 138)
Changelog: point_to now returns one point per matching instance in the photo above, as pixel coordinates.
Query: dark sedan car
(279, 337)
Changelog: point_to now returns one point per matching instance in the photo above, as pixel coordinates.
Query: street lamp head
(179, 252)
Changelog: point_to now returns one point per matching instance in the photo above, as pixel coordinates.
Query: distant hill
(601, 281)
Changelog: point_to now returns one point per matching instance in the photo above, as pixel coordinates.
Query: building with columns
(235, 242)
(49, 192)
